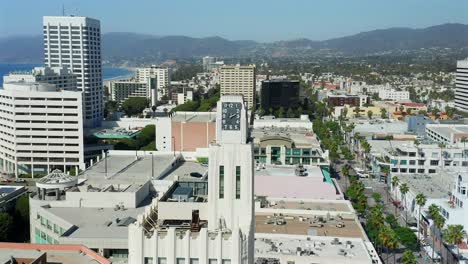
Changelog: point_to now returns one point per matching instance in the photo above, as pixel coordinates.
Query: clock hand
(233, 115)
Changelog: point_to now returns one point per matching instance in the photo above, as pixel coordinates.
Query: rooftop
(380, 126)
(128, 168)
(300, 137)
(447, 130)
(98, 222)
(69, 254)
(116, 133)
(300, 249)
(434, 186)
(270, 182)
(290, 224)
(184, 169)
(194, 117)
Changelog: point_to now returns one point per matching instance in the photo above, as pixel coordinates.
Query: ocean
(107, 72)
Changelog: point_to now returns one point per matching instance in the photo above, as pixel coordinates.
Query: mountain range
(123, 47)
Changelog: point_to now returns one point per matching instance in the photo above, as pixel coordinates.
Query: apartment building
(393, 95)
(121, 90)
(161, 75)
(239, 80)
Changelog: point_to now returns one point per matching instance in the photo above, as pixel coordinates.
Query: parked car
(196, 174)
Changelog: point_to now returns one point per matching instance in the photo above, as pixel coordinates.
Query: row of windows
(406, 170)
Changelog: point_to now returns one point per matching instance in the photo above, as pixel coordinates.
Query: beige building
(237, 79)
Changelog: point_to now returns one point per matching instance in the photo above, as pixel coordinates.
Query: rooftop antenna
(63, 9)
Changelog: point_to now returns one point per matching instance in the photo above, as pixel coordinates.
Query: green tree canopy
(134, 105)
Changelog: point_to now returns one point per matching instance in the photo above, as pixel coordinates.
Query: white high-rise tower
(461, 92)
(75, 42)
(194, 229)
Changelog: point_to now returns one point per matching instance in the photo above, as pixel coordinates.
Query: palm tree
(345, 174)
(454, 235)
(395, 183)
(439, 223)
(435, 214)
(420, 201)
(404, 189)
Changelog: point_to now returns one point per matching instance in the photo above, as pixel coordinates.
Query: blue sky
(261, 20)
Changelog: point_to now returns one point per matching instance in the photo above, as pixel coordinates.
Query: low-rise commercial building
(346, 99)
(448, 134)
(185, 131)
(275, 142)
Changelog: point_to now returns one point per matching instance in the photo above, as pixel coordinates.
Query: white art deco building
(189, 225)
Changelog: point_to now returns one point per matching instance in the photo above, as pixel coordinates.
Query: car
(196, 174)
(19, 180)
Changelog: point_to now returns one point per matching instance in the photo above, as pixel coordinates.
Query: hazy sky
(261, 20)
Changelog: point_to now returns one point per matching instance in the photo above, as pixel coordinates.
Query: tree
(377, 197)
(408, 257)
(357, 111)
(261, 112)
(21, 219)
(345, 174)
(281, 112)
(290, 113)
(404, 189)
(395, 183)
(439, 222)
(406, 237)
(188, 106)
(134, 105)
(454, 235)
(344, 112)
(420, 201)
(383, 113)
(369, 114)
(110, 107)
(434, 212)
(6, 227)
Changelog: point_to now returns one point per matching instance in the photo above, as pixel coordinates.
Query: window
(162, 261)
(412, 162)
(226, 261)
(434, 162)
(221, 182)
(212, 261)
(193, 261)
(180, 261)
(432, 171)
(148, 260)
(412, 170)
(238, 182)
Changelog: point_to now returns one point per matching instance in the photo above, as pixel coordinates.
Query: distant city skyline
(261, 20)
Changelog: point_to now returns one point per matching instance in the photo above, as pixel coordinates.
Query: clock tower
(230, 178)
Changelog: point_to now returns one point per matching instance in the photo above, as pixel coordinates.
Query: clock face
(231, 116)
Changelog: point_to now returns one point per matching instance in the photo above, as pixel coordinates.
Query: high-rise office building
(279, 93)
(240, 80)
(75, 42)
(41, 127)
(461, 92)
(161, 75)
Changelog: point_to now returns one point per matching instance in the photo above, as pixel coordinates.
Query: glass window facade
(238, 182)
(221, 182)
